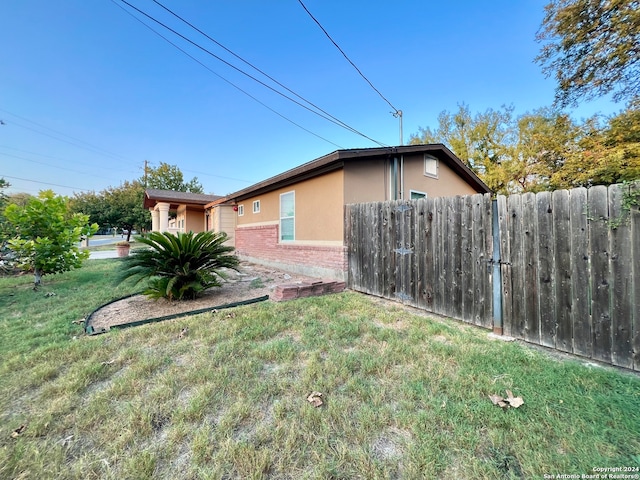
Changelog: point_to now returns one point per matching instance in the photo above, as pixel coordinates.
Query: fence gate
(432, 253)
(569, 264)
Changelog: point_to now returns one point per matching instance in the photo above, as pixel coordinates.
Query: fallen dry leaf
(515, 402)
(18, 431)
(315, 399)
(110, 362)
(183, 333)
(510, 401)
(78, 322)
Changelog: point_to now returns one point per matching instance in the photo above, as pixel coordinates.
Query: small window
(240, 210)
(287, 216)
(415, 195)
(430, 166)
(256, 206)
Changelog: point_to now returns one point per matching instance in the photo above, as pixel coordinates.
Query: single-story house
(177, 211)
(295, 220)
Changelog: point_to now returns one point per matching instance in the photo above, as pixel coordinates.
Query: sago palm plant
(180, 266)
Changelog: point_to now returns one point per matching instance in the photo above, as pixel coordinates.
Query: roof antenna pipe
(398, 114)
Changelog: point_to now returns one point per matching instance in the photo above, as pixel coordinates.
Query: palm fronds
(180, 266)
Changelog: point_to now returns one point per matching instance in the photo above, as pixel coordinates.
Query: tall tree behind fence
(569, 266)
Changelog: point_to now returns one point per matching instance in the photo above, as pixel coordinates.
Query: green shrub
(180, 266)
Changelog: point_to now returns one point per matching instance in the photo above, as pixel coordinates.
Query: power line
(224, 79)
(395, 110)
(45, 183)
(246, 62)
(52, 166)
(88, 146)
(325, 116)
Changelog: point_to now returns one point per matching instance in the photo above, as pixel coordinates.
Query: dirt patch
(251, 281)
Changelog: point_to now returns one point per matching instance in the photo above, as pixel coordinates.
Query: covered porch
(177, 211)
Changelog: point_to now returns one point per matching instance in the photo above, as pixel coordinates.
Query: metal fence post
(497, 274)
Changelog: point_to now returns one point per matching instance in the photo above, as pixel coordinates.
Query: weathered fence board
(562, 268)
(634, 215)
(598, 211)
(580, 317)
(530, 258)
(546, 270)
(621, 279)
(569, 264)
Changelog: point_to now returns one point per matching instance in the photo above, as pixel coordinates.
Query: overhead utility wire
(395, 110)
(52, 166)
(261, 71)
(88, 146)
(224, 79)
(44, 183)
(339, 123)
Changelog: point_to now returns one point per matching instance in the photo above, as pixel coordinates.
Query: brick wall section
(291, 292)
(261, 242)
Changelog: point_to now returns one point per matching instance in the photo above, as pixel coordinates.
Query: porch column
(163, 210)
(155, 219)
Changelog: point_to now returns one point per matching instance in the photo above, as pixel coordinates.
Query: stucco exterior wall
(447, 184)
(222, 218)
(366, 181)
(370, 180)
(189, 219)
(319, 209)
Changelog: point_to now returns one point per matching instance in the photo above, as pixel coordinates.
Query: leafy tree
(485, 142)
(3, 223)
(592, 47)
(19, 198)
(46, 235)
(607, 152)
(169, 177)
(94, 205)
(546, 138)
(180, 266)
(125, 207)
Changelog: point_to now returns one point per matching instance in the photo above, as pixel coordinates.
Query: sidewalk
(103, 254)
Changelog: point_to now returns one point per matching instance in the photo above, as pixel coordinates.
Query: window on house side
(430, 166)
(256, 206)
(415, 195)
(240, 210)
(287, 216)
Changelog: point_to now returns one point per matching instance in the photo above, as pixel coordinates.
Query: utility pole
(398, 114)
(146, 166)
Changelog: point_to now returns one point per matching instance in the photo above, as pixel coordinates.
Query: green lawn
(405, 396)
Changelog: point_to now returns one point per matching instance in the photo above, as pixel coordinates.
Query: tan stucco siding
(448, 183)
(193, 219)
(370, 180)
(366, 181)
(223, 219)
(319, 208)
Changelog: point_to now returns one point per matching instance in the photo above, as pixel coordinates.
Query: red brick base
(290, 292)
(260, 244)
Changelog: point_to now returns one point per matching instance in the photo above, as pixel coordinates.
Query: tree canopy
(592, 48)
(45, 235)
(170, 177)
(540, 150)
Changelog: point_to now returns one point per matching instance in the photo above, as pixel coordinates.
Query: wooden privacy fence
(559, 269)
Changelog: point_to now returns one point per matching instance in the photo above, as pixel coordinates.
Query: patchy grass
(405, 396)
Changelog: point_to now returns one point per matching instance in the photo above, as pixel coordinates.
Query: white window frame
(241, 210)
(293, 217)
(429, 173)
(411, 192)
(256, 206)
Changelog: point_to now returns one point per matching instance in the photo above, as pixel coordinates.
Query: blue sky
(88, 93)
